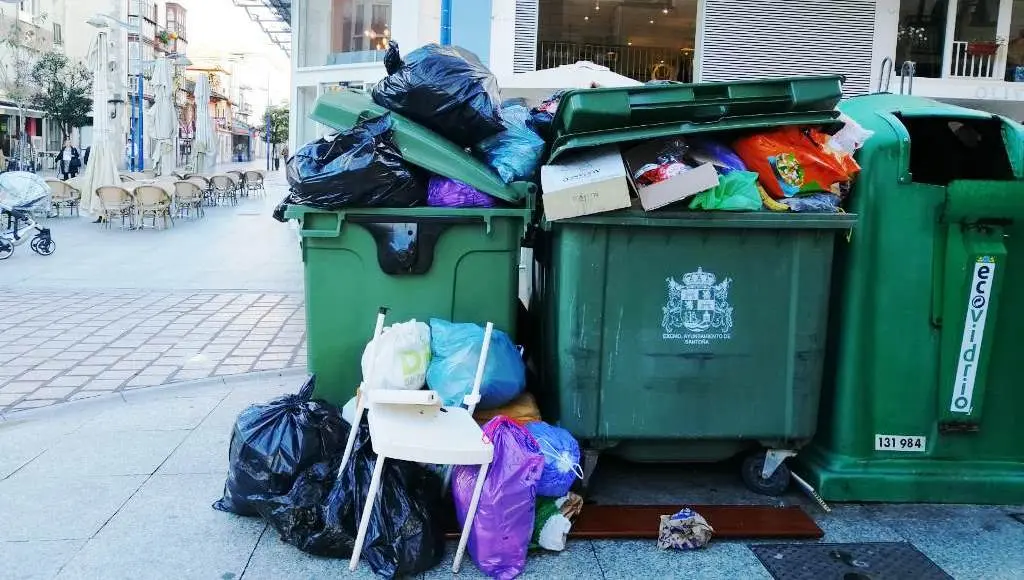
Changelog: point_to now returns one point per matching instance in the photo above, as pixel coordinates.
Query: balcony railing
(968, 63)
(636, 62)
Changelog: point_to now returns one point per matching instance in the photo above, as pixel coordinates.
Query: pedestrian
(70, 161)
(284, 156)
(85, 158)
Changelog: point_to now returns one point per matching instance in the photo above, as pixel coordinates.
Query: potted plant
(985, 47)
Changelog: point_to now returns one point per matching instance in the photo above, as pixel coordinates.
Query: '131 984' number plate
(911, 443)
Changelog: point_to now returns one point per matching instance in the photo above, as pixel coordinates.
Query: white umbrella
(102, 167)
(163, 122)
(204, 144)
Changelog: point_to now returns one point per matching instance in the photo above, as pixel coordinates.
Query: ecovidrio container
(676, 335)
(458, 264)
(923, 396)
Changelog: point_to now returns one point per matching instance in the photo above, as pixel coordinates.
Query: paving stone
(87, 370)
(103, 384)
(68, 381)
(38, 375)
(50, 393)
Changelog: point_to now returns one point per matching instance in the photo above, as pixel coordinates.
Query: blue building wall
(471, 26)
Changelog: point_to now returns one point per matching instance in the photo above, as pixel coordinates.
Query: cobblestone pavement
(112, 310)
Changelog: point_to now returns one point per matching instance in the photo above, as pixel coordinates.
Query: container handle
(328, 233)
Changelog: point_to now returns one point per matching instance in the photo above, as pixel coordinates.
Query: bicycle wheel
(6, 249)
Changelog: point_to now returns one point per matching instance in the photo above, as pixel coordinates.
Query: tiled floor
(122, 489)
(112, 309)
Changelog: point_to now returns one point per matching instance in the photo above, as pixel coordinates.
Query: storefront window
(1015, 46)
(345, 32)
(921, 37)
(642, 39)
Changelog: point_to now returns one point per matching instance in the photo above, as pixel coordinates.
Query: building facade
(965, 51)
(35, 26)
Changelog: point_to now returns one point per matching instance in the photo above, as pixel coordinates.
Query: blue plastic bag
(716, 153)
(455, 354)
(561, 459)
(813, 203)
(444, 192)
(516, 152)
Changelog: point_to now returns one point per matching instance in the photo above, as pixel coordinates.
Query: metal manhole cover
(868, 561)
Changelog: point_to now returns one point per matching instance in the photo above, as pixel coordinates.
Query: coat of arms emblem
(697, 305)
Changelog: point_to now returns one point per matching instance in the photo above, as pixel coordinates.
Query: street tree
(64, 91)
(278, 121)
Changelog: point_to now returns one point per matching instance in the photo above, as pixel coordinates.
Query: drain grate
(868, 561)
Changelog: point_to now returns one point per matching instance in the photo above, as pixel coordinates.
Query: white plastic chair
(413, 426)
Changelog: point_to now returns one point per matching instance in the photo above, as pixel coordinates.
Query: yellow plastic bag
(523, 409)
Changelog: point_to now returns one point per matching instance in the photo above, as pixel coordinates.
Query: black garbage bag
(361, 167)
(316, 516)
(406, 532)
(445, 88)
(272, 443)
(279, 210)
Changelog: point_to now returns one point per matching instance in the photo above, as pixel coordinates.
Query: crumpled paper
(685, 530)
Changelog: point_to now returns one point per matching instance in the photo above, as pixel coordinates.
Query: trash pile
(449, 92)
(286, 461)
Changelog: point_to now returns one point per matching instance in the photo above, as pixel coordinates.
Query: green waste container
(923, 398)
(687, 336)
(453, 263)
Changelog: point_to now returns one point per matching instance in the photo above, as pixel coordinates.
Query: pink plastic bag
(503, 524)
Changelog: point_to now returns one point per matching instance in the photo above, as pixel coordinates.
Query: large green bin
(456, 264)
(924, 396)
(687, 336)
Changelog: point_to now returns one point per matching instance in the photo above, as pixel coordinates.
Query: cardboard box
(682, 186)
(592, 181)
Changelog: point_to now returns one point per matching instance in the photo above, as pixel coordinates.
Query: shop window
(345, 32)
(642, 39)
(1015, 45)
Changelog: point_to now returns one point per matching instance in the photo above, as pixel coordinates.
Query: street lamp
(114, 106)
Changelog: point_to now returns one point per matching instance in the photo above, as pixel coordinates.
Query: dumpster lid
(637, 217)
(342, 109)
(590, 117)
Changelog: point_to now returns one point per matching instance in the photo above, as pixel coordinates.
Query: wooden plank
(729, 521)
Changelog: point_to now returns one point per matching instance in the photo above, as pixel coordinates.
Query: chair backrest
(187, 190)
(151, 195)
(222, 182)
(127, 178)
(253, 177)
(112, 196)
(199, 180)
(59, 191)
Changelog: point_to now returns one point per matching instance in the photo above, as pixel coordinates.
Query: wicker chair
(147, 174)
(189, 197)
(116, 202)
(204, 184)
(254, 183)
(63, 195)
(224, 188)
(239, 178)
(127, 179)
(154, 202)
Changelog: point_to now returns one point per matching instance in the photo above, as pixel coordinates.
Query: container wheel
(751, 473)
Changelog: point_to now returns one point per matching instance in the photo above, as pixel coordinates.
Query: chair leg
(364, 521)
(470, 515)
(356, 421)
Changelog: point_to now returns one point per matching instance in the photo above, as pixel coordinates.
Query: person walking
(70, 161)
(284, 157)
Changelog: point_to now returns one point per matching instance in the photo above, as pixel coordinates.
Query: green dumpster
(923, 399)
(453, 263)
(687, 336)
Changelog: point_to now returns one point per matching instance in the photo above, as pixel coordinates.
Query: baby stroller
(23, 195)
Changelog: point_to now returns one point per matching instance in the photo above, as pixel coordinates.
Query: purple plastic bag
(503, 524)
(444, 192)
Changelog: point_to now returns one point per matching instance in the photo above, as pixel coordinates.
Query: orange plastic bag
(795, 160)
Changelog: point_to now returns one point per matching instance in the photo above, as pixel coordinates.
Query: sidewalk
(121, 487)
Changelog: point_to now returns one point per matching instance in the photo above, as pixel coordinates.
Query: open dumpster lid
(420, 146)
(591, 117)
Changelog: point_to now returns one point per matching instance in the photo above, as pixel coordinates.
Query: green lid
(592, 117)
(420, 146)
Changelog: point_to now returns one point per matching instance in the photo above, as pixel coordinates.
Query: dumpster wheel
(752, 472)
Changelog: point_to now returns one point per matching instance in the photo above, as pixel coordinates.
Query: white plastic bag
(398, 358)
(851, 137)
